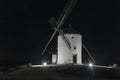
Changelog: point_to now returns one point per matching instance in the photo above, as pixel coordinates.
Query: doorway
(75, 59)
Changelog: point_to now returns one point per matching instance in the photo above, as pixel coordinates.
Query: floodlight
(44, 63)
(90, 64)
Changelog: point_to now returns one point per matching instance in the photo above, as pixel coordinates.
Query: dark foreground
(63, 73)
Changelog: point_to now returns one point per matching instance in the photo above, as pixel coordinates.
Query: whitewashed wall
(54, 58)
(65, 55)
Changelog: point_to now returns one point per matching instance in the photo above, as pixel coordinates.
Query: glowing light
(90, 64)
(44, 63)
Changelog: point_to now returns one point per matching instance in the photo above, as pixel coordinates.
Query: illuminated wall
(73, 55)
(54, 58)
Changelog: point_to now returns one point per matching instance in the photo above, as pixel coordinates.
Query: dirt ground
(48, 74)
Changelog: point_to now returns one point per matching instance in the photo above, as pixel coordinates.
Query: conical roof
(69, 30)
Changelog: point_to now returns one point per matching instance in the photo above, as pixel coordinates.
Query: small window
(74, 47)
(72, 37)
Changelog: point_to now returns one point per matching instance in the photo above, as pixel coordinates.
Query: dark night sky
(24, 28)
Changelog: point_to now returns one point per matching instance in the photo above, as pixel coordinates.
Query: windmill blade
(67, 42)
(49, 42)
(61, 20)
(66, 12)
(52, 22)
(64, 15)
(88, 53)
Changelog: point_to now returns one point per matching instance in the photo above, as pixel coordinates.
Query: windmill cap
(69, 30)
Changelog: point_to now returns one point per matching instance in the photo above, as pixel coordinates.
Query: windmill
(69, 44)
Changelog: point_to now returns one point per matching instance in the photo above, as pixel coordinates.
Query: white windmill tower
(72, 54)
(69, 47)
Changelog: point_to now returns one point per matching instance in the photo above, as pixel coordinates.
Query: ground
(61, 73)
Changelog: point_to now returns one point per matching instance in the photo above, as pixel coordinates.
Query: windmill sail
(61, 20)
